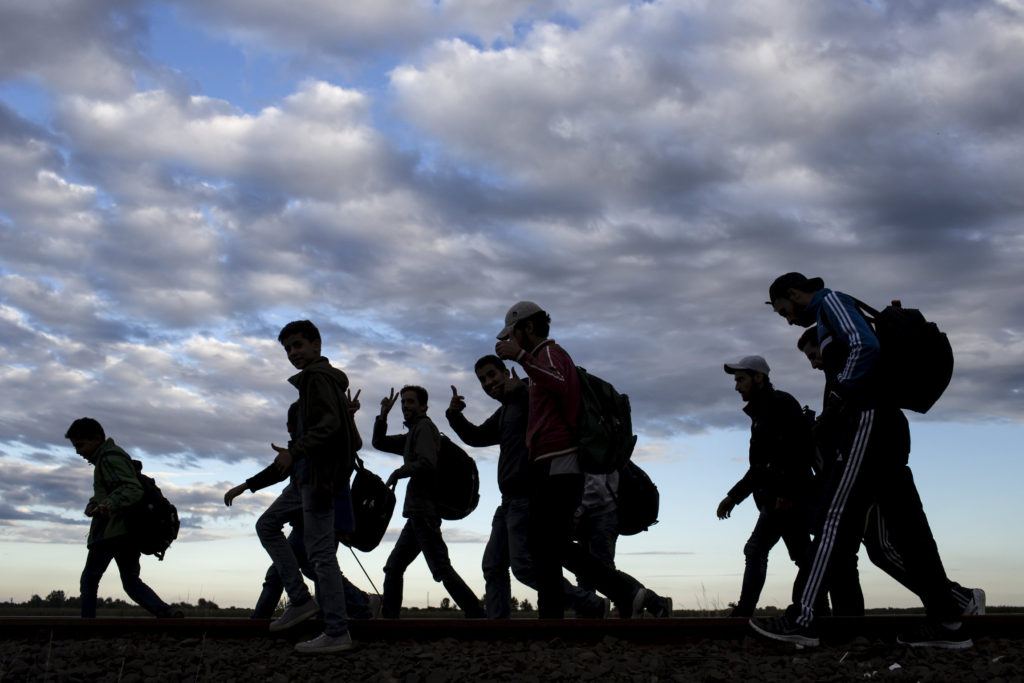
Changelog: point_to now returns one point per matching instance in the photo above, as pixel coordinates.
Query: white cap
(748, 363)
(520, 311)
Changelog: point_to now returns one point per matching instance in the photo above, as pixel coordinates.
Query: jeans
(356, 600)
(317, 508)
(508, 548)
(121, 550)
(423, 534)
(792, 526)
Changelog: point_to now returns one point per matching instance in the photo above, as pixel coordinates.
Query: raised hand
(512, 382)
(353, 401)
(508, 349)
(388, 402)
(458, 403)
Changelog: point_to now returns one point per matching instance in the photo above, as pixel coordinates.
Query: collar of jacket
(415, 418)
(519, 393)
(321, 364)
(107, 446)
(759, 402)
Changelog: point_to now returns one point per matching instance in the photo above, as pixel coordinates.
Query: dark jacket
(418, 448)
(849, 348)
(327, 441)
(781, 451)
(115, 481)
(506, 428)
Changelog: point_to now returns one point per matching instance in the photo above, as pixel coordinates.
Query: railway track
(836, 629)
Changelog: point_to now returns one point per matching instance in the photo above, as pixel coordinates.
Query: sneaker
(976, 607)
(373, 603)
(637, 606)
(781, 628)
(934, 634)
(326, 643)
(659, 607)
(295, 614)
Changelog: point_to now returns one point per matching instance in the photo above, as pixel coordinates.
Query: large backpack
(916, 361)
(604, 426)
(458, 482)
(373, 503)
(637, 500)
(152, 522)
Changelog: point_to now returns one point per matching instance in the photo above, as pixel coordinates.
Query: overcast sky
(180, 179)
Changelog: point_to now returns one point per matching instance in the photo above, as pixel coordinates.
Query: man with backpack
(422, 530)
(359, 604)
(552, 442)
(320, 461)
(881, 550)
(871, 468)
(507, 546)
(779, 476)
(116, 488)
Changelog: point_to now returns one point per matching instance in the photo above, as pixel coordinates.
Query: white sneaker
(373, 603)
(976, 607)
(326, 643)
(295, 615)
(639, 598)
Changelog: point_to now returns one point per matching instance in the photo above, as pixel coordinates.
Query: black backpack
(604, 426)
(916, 361)
(637, 500)
(458, 482)
(373, 503)
(152, 522)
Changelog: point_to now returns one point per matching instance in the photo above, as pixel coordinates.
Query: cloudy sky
(182, 178)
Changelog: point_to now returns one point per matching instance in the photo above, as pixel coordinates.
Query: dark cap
(784, 283)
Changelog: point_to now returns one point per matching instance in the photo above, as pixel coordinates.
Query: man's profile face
(492, 380)
(788, 309)
(411, 406)
(301, 352)
(86, 446)
(747, 383)
(813, 353)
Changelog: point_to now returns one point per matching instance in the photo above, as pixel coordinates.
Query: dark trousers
(357, 602)
(884, 554)
(121, 550)
(423, 534)
(872, 470)
(792, 526)
(553, 503)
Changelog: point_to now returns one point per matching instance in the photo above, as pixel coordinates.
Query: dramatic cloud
(642, 170)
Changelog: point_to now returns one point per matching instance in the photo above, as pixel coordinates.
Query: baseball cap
(519, 311)
(784, 283)
(748, 363)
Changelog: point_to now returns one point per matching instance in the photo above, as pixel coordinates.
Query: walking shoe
(976, 607)
(934, 634)
(637, 606)
(295, 614)
(373, 603)
(326, 643)
(781, 628)
(658, 607)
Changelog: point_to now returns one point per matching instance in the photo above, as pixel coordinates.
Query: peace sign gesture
(458, 403)
(388, 402)
(353, 401)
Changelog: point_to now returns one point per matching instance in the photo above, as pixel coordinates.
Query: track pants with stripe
(884, 554)
(871, 470)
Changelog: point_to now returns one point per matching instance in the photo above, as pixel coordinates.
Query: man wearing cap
(870, 469)
(555, 475)
(779, 476)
